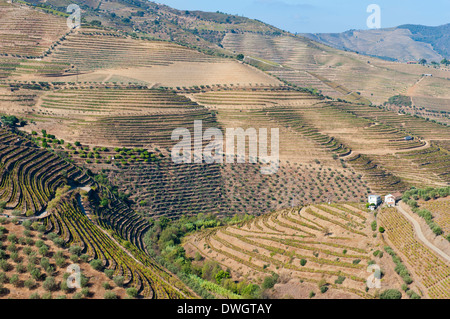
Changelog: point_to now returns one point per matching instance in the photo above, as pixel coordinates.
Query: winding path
(420, 234)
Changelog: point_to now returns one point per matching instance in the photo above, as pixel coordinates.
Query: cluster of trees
(426, 193)
(400, 268)
(41, 264)
(391, 294)
(410, 197)
(163, 241)
(96, 23)
(47, 139)
(400, 100)
(434, 63)
(445, 62)
(103, 180)
(12, 121)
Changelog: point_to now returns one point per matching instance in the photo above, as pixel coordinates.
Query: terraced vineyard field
(116, 117)
(158, 187)
(11, 67)
(445, 144)
(101, 101)
(434, 160)
(324, 130)
(172, 190)
(96, 49)
(108, 56)
(100, 104)
(68, 221)
(294, 184)
(252, 98)
(305, 79)
(384, 180)
(300, 121)
(14, 100)
(360, 133)
(286, 51)
(294, 147)
(116, 216)
(143, 131)
(289, 116)
(313, 243)
(28, 32)
(440, 209)
(432, 103)
(30, 176)
(410, 124)
(34, 180)
(421, 164)
(336, 73)
(429, 270)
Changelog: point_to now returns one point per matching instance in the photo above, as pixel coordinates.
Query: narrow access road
(22, 219)
(420, 234)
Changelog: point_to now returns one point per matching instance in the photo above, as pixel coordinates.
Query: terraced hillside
(109, 56)
(35, 266)
(440, 210)
(433, 109)
(328, 133)
(113, 116)
(430, 162)
(158, 187)
(127, 117)
(122, 101)
(144, 168)
(329, 245)
(16, 67)
(27, 35)
(428, 269)
(27, 32)
(297, 59)
(337, 74)
(94, 49)
(373, 141)
(143, 131)
(231, 188)
(100, 105)
(30, 176)
(255, 98)
(162, 188)
(40, 183)
(196, 29)
(335, 135)
(407, 123)
(151, 281)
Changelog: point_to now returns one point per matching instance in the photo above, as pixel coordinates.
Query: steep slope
(203, 30)
(403, 43)
(437, 37)
(79, 211)
(25, 32)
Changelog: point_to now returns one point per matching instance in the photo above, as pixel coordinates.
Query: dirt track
(421, 236)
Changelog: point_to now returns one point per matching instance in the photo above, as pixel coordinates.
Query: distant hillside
(204, 30)
(403, 43)
(438, 37)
